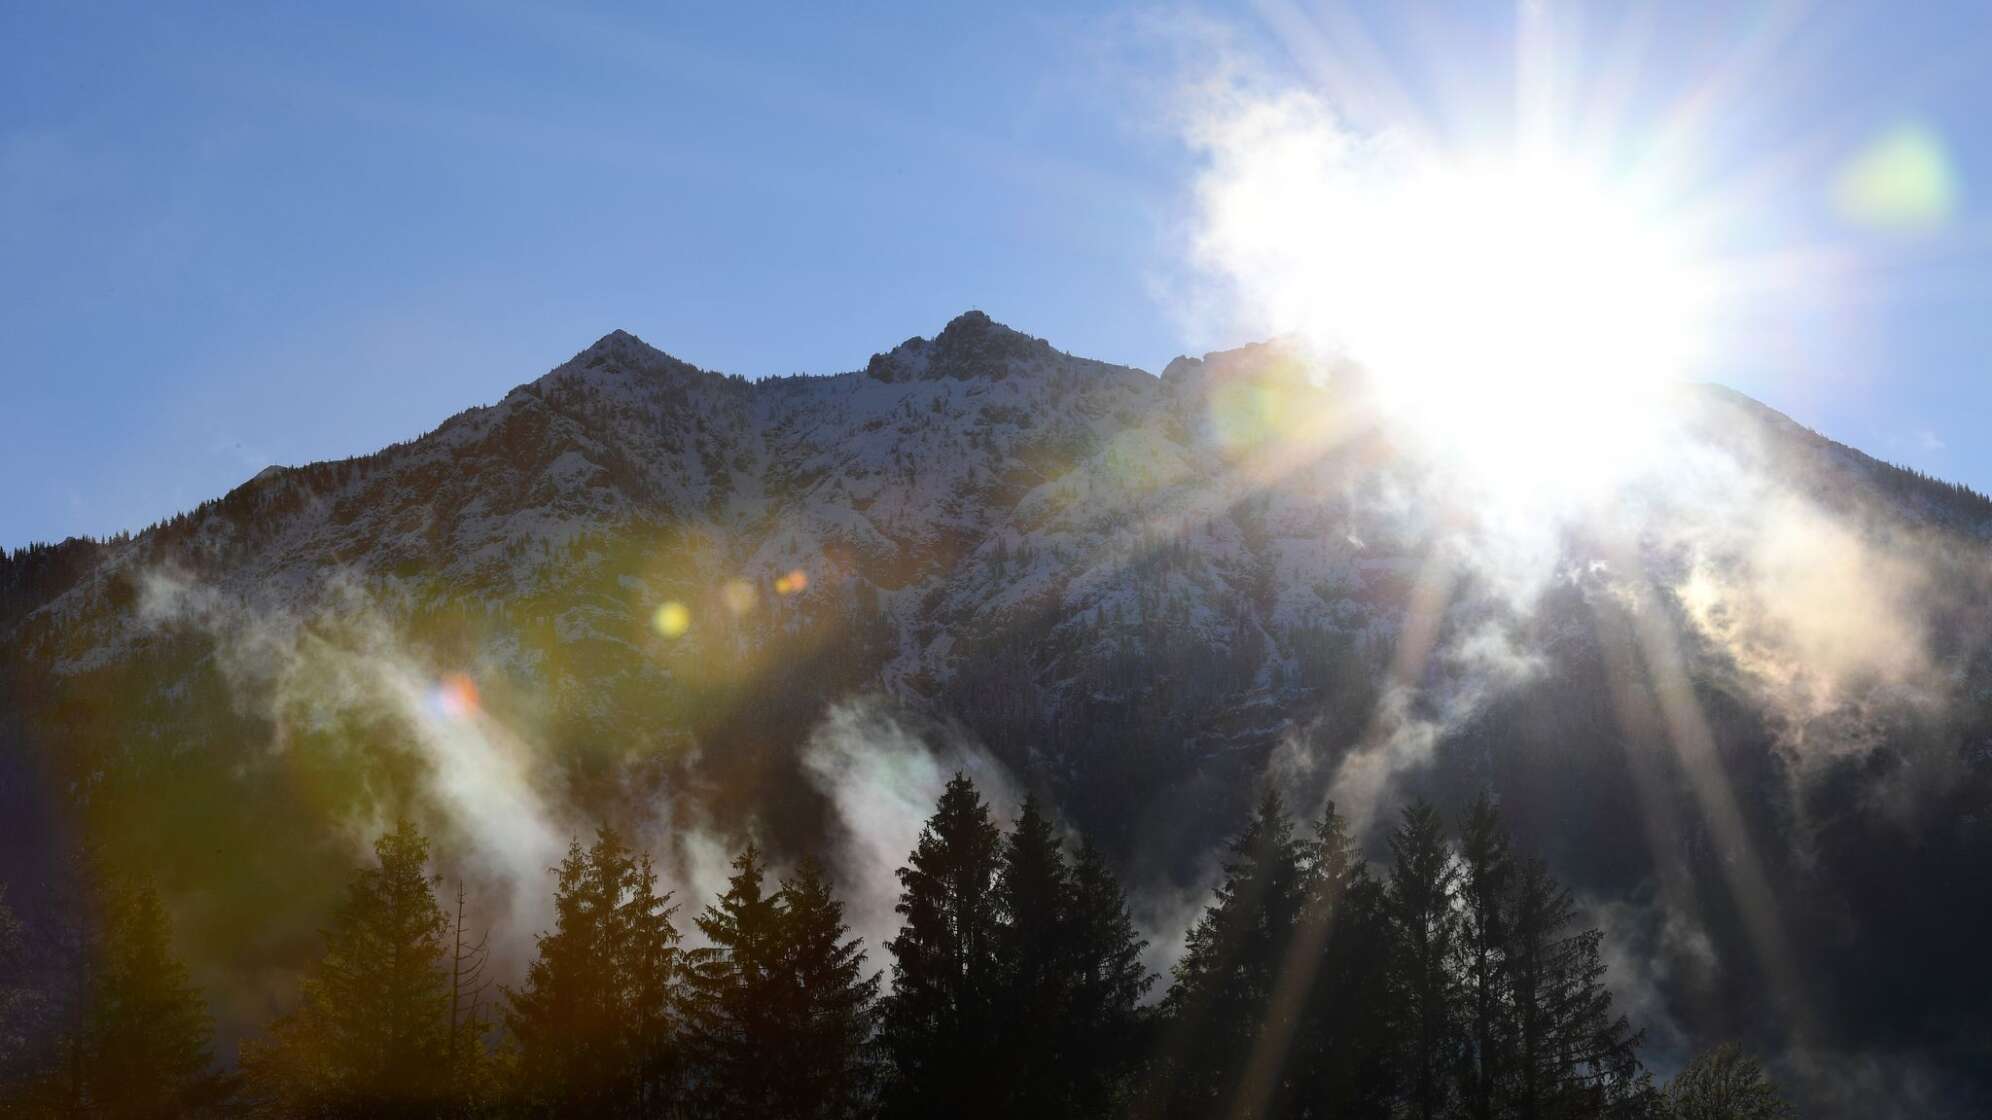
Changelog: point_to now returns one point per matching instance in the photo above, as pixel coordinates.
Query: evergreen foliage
(824, 1064)
(1459, 983)
(149, 1028)
(1102, 1022)
(940, 1019)
(370, 1036)
(733, 1000)
(594, 1023)
(1485, 870)
(1421, 896)
(1218, 1008)
(1569, 1052)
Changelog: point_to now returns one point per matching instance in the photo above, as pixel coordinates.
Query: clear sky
(238, 235)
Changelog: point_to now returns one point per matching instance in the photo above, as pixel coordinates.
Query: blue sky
(231, 236)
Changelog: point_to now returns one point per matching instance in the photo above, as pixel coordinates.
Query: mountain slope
(1142, 594)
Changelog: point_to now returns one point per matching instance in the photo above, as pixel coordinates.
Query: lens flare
(672, 619)
(794, 582)
(454, 697)
(1901, 181)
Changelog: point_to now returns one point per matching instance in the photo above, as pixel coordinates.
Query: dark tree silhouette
(1033, 900)
(734, 997)
(1486, 869)
(1345, 1048)
(939, 1021)
(822, 1067)
(150, 1034)
(1103, 1024)
(593, 1023)
(1570, 1052)
(1423, 887)
(1460, 986)
(370, 1036)
(1218, 1008)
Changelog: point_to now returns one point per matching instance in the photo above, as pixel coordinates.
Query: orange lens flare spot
(672, 619)
(795, 581)
(455, 696)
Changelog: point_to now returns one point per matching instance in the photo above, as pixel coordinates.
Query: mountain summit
(972, 345)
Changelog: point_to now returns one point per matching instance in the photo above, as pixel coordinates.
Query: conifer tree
(150, 1033)
(1343, 1054)
(556, 1018)
(1570, 1052)
(1218, 1006)
(824, 1068)
(1423, 885)
(593, 1022)
(1033, 900)
(733, 996)
(1103, 1022)
(1485, 871)
(370, 1036)
(652, 967)
(938, 1023)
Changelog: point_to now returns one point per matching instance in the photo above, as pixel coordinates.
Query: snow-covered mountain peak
(622, 352)
(971, 346)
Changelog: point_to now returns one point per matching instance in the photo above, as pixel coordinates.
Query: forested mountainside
(641, 592)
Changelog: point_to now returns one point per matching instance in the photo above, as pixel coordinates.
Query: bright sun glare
(1519, 315)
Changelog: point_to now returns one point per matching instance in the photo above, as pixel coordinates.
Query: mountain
(1759, 665)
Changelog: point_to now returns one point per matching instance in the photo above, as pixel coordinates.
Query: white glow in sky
(1516, 312)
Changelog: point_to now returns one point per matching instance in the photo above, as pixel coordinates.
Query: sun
(1535, 315)
(1518, 315)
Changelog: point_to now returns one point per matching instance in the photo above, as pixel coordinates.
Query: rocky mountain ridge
(1143, 595)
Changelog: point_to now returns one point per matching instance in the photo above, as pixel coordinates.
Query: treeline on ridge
(1454, 981)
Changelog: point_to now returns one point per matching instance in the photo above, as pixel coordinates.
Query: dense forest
(1455, 981)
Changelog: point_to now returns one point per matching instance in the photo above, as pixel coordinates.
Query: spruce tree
(149, 1029)
(734, 995)
(1423, 887)
(1103, 1023)
(1342, 1056)
(939, 1023)
(593, 1022)
(1569, 1051)
(652, 968)
(1486, 868)
(557, 1018)
(1033, 900)
(1217, 1009)
(825, 1068)
(371, 1033)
